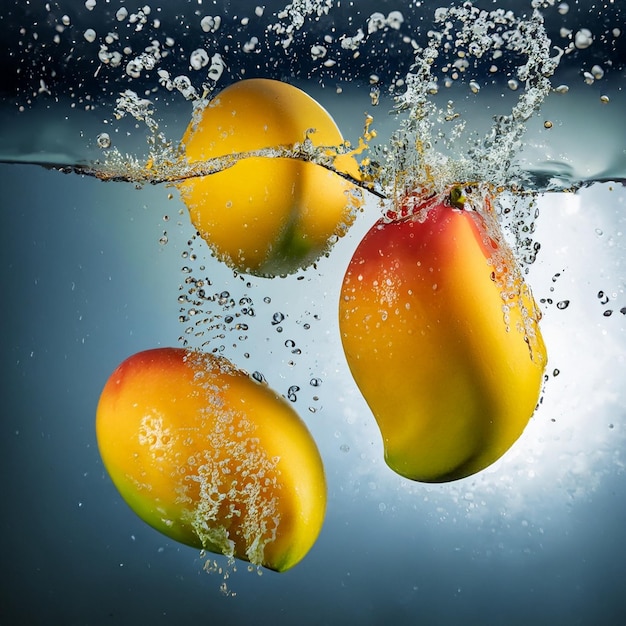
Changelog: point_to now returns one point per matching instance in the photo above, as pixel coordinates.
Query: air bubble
(291, 393)
(277, 318)
(563, 304)
(259, 377)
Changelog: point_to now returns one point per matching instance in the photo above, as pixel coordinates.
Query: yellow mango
(441, 335)
(211, 458)
(267, 215)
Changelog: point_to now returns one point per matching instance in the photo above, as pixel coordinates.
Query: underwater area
(523, 98)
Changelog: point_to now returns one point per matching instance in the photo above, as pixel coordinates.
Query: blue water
(537, 538)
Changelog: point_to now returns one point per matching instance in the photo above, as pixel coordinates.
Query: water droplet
(199, 59)
(583, 38)
(597, 72)
(90, 35)
(318, 51)
(315, 382)
(210, 24)
(103, 140)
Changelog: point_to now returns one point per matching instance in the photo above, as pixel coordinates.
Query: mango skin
(211, 458)
(451, 384)
(267, 216)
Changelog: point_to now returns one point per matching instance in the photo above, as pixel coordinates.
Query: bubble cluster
(255, 491)
(229, 322)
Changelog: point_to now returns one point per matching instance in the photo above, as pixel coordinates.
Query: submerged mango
(441, 335)
(267, 215)
(211, 458)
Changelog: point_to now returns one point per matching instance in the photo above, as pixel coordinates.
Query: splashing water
(449, 57)
(433, 145)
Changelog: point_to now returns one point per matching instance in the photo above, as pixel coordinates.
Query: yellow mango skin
(422, 326)
(267, 216)
(191, 442)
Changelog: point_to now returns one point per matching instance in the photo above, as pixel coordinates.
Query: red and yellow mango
(441, 335)
(211, 458)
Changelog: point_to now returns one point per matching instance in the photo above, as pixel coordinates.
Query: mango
(267, 215)
(441, 335)
(209, 457)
